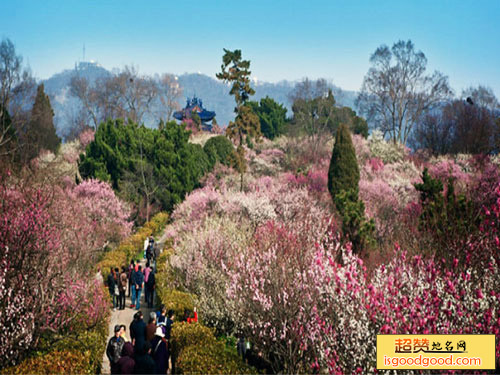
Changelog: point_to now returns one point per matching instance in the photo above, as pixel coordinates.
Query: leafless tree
(16, 93)
(396, 93)
(459, 127)
(313, 111)
(90, 98)
(308, 90)
(169, 93)
(125, 95)
(482, 96)
(137, 93)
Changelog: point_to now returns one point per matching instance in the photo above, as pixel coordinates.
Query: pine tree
(343, 174)
(41, 132)
(343, 180)
(247, 124)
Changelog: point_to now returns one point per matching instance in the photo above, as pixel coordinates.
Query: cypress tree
(343, 174)
(41, 132)
(343, 180)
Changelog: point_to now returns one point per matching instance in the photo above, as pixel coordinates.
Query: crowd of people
(148, 350)
(134, 279)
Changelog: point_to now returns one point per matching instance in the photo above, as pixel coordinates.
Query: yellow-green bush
(176, 300)
(211, 359)
(56, 362)
(132, 245)
(165, 278)
(114, 258)
(157, 223)
(91, 343)
(198, 352)
(172, 298)
(185, 334)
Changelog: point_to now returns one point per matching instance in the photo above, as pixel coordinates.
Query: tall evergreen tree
(246, 125)
(343, 180)
(343, 174)
(41, 132)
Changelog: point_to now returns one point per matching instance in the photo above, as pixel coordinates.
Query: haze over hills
(214, 93)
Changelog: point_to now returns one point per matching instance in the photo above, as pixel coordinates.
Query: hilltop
(215, 94)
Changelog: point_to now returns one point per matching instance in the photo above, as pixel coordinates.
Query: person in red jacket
(194, 319)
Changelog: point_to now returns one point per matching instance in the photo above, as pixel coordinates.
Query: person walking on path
(147, 272)
(150, 287)
(138, 332)
(114, 350)
(168, 329)
(122, 287)
(131, 268)
(161, 318)
(160, 351)
(111, 287)
(139, 284)
(151, 327)
(144, 363)
(134, 290)
(146, 245)
(126, 363)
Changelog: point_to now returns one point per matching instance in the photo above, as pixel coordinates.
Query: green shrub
(198, 352)
(219, 149)
(56, 362)
(211, 359)
(177, 301)
(203, 163)
(165, 278)
(188, 334)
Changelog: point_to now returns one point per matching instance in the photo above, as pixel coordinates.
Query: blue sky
(283, 39)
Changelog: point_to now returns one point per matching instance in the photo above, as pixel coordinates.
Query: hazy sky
(283, 39)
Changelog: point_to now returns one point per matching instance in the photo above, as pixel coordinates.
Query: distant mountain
(57, 87)
(214, 93)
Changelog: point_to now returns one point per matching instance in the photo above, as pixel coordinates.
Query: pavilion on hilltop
(195, 105)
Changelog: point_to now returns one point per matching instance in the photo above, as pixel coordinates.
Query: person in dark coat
(144, 363)
(170, 322)
(114, 350)
(138, 332)
(126, 363)
(160, 351)
(168, 329)
(151, 327)
(111, 287)
(138, 278)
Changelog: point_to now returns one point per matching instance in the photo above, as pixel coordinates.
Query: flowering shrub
(361, 147)
(381, 205)
(104, 209)
(86, 298)
(271, 289)
(388, 152)
(269, 261)
(86, 137)
(29, 246)
(405, 296)
(443, 170)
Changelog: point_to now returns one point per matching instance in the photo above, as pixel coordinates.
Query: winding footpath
(126, 316)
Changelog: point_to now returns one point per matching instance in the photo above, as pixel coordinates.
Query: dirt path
(126, 316)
